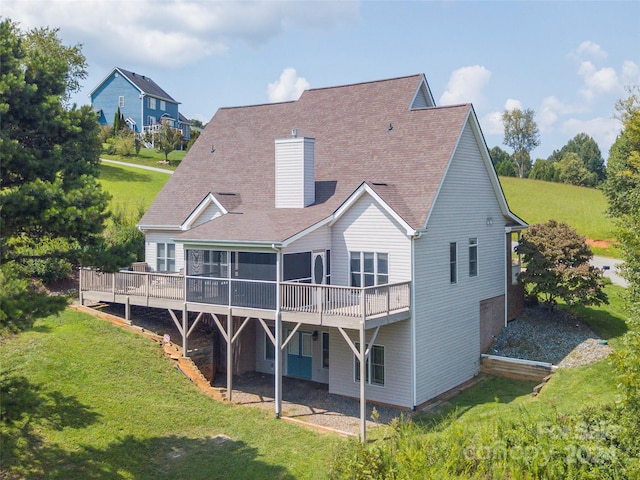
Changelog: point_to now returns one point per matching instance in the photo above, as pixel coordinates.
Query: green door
(299, 355)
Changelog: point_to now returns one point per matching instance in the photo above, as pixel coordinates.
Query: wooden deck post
(185, 324)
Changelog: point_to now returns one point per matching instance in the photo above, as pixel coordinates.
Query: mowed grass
(568, 391)
(585, 209)
(131, 186)
(150, 158)
(82, 399)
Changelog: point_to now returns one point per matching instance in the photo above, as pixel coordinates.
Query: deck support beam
(363, 372)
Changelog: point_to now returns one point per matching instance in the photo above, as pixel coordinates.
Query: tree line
(579, 162)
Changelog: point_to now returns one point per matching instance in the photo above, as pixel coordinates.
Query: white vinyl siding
(209, 213)
(366, 227)
(397, 365)
(152, 239)
(447, 317)
(317, 240)
(295, 172)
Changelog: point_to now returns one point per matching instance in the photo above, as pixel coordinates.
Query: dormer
(295, 172)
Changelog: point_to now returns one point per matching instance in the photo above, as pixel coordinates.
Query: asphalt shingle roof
(146, 85)
(364, 133)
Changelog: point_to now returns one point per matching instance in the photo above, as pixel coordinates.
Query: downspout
(142, 96)
(507, 275)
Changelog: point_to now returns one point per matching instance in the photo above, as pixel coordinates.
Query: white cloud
(511, 104)
(466, 85)
(597, 81)
(550, 110)
(603, 130)
(630, 73)
(589, 49)
(492, 123)
(288, 87)
(171, 33)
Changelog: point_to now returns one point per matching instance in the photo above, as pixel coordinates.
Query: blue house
(144, 105)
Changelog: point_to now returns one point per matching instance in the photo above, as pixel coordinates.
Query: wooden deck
(322, 305)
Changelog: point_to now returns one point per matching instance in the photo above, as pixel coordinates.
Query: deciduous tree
(557, 265)
(587, 150)
(167, 139)
(522, 135)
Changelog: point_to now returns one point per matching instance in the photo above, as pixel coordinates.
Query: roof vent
(294, 133)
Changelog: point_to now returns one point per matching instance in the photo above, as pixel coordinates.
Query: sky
(569, 61)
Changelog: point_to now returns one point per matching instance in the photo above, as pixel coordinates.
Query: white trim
(355, 196)
(425, 85)
(206, 201)
(493, 177)
(116, 69)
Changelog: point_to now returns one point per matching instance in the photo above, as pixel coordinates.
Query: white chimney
(295, 172)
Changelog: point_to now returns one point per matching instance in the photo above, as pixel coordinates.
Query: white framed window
(152, 103)
(121, 101)
(166, 257)
(325, 349)
(163, 105)
(374, 371)
(269, 347)
(453, 262)
(368, 269)
(473, 257)
(215, 263)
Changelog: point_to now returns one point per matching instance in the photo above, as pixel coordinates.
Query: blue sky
(569, 61)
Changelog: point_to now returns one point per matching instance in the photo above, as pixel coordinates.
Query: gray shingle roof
(147, 85)
(404, 165)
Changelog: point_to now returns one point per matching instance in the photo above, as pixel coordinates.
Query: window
(453, 262)
(325, 349)
(166, 257)
(269, 347)
(215, 263)
(374, 371)
(163, 105)
(152, 103)
(121, 101)
(473, 257)
(369, 268)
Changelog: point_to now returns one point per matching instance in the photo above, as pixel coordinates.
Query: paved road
(143, 167)
(612, 272)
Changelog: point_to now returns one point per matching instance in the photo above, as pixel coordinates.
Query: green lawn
(150, 158)
(585, 209)
(82, 399)
(131, 186)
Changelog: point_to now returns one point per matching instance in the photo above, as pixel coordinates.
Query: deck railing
(294, 297)
(345, 301)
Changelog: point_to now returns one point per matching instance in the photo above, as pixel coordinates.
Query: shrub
(124, 143)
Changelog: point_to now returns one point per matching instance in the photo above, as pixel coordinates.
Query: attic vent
(227, 194)
(380, 184)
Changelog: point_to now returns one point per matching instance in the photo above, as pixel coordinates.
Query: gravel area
(555, 337)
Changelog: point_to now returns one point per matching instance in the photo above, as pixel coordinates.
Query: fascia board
(206, 201)
(355, 196)
(493, 176)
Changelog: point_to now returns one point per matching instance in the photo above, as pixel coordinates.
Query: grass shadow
(116, 174)
(490, 392)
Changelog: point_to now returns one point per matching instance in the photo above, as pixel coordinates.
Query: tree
(52, 208)
(588, 152)
(503, 162)
(557, 265)
(196, 123)
(622, 188)
(522, 135)
(571, 170)
(167, 139)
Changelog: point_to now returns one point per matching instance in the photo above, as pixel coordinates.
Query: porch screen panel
(297, 267)
(254, 266)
